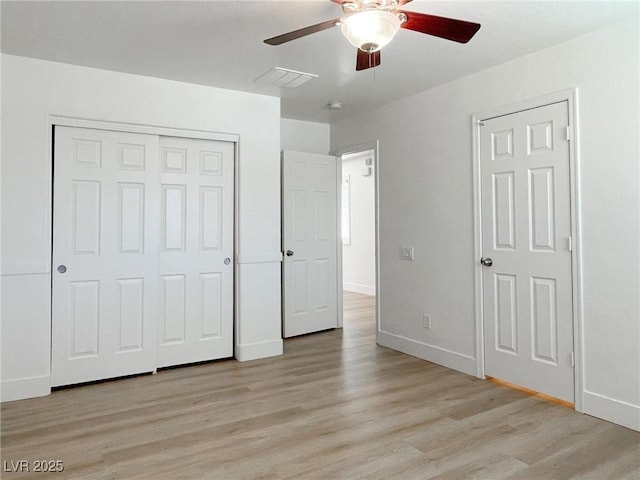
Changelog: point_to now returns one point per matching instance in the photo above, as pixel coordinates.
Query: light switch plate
(406, 253)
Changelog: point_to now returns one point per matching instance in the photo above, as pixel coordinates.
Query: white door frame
(57, 120)
(339, 152)
(571, 97)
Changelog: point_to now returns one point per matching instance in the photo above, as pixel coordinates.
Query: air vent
(284, 78)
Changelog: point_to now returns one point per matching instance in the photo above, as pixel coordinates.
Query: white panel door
(104, 254)
(528, 317)
(310, 293)
(196, 250)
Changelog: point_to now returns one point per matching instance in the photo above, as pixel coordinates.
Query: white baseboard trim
(359, 288)
(612, 410)
(431, 353)
(22, 388)
(254, 351)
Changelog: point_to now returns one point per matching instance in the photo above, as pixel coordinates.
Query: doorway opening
(358, 242)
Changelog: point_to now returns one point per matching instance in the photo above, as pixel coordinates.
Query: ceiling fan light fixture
(370, 30)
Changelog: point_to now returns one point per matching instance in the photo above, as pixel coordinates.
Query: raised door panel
(299, 216)
(211, 226)
(132, 157)
(85, 318)
(131, 198)
(323, 284)
(506, 316)
(300, 290)
(544, 320)
(504, 221)
(212, 303)
(502, 145)
(174, 217)
(542, 209)
(86, 217)
(173, 309)
(173, 160)
(131, 314)
(86, 152)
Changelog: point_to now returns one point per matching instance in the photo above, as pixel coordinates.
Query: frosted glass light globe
(370, 30)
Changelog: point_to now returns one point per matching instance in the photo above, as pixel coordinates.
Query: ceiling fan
(370, 24)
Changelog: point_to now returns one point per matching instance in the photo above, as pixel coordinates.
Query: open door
(310, 242)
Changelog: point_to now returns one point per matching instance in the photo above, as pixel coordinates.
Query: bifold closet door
(105, 254)
(196, 250)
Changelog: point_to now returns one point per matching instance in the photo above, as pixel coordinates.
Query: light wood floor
(335, 406)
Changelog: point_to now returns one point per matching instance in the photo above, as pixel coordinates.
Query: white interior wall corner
(425, 197)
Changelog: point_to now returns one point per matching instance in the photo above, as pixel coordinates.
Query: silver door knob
(289, 253)
(227, 261)
(61, 268)
(487, 262)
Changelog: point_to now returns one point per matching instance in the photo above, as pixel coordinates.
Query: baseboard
(431, 353)
(359, 288)
(254, 351)
(11, 390)
(612, 410)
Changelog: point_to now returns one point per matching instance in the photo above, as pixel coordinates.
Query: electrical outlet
(426, 320)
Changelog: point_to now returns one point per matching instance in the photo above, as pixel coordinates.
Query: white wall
(34, 89)
(358, 258)
(425, 197)
(301, 136)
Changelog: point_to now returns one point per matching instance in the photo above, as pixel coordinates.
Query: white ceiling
(219, 43)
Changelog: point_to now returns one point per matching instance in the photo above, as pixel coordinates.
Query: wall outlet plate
(426, 320)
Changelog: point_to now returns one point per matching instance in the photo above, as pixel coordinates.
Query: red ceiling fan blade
(449, 28)
(400, 2)
(367, 60)
(303, 32)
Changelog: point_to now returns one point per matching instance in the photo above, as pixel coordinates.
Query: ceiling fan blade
(367, 60)
(448, 28)
(400, 2)
(303, 32)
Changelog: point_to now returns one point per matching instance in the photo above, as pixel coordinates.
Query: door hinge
(570, 244)
(573, 359)
(568, 132)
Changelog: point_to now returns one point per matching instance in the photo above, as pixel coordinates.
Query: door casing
(57, 120)
(571, 97)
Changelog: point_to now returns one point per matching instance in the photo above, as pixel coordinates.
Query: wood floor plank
(334, 406)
